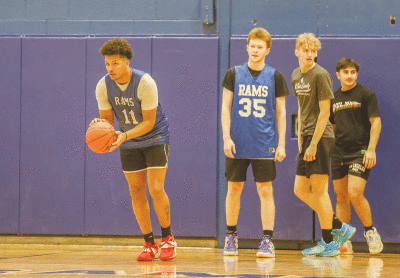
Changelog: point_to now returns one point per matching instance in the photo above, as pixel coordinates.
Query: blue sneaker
(344, 234)
(323, 249)
(231, 245)
(266, 249)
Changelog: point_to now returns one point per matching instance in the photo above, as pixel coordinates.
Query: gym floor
(67, 260)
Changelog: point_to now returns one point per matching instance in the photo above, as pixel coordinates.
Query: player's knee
(235, 188)
(342, 197)
(156, 192)
(355, 195)
(265, 191)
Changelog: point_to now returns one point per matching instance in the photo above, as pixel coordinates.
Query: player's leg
(157, 163)
(264, 172)
(265, 192)
(235, 172)
(317, 197)
(134, 167)
(357, 183)
(140, 204)
(343, 205)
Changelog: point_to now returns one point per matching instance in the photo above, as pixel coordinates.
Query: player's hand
(280, 154)
(121, 139)
(229, 148)
(95, 120)
(369, 159)
(310, 153)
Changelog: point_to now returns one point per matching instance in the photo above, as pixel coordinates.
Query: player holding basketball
(312, 85)
(131, 95)
(357, 124)
(253, 98)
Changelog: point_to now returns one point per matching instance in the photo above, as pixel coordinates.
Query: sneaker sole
(380, 250)
(265, 255)
(226, 253)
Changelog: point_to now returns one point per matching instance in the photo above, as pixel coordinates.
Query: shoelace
(166, 243)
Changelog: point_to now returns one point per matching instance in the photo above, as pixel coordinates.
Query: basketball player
(253, 98)
(131, 95)
(357, 124)
(312, 85)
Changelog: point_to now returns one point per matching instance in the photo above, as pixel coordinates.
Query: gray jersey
(310, 88)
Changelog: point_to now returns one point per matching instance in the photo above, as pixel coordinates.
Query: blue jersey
(253, 113)
(128, 111)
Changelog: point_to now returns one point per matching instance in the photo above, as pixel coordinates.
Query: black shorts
(319, 166)
(138, 159)
(349, 165)
(263, 169)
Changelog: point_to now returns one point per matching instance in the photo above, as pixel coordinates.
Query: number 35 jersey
(253, 113)
(128, 102)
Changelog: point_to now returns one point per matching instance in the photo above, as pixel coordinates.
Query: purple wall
(53, 184)
(10, 80)
(52, 152)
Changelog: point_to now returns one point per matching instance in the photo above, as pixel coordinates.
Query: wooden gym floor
(50, 260)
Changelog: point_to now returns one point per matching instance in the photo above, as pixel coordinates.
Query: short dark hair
(117, 46)
(345, 63)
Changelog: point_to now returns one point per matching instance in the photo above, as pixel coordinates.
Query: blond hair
(308, 40)
(260, 33)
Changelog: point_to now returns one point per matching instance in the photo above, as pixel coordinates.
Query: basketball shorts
(319, 166)
(263, 169)
(139, 159)
(342, 166)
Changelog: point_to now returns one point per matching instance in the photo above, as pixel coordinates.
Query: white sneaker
(375, 244)
(347, 248)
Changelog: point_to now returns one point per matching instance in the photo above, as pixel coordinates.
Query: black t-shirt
(350, 112)
(281, 88)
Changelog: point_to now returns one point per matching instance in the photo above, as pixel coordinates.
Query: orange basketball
(100, 136)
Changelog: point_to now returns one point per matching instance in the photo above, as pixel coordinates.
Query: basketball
(100, 136)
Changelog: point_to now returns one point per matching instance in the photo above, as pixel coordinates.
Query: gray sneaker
(375, 244)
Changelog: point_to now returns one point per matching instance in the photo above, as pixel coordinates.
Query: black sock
(149, 238)
(165, 232)
(368, 228)
(231, 230)
(327, 235)
(268, 233)
(336, 223)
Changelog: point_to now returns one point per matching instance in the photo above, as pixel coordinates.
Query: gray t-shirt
(310, 88)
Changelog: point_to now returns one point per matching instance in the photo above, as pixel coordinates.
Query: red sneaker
(149, 252)
(168, 248)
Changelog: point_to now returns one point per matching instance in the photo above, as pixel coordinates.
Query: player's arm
(323, 117)
(229, 145)
(299, 137)
(370, 155)
(280, 153)
(107, 115)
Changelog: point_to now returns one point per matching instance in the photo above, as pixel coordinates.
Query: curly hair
(308, 40)
(260, 33)
(117, 46)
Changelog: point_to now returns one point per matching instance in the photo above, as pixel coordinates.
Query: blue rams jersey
(253, 113)
(128, 111)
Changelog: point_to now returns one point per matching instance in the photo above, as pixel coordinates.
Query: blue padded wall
(186, 73)
(293, 217)
(108, 208)
(52, 146)
(10, 80)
